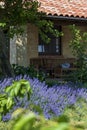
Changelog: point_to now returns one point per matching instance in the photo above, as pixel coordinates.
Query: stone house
(29, 49)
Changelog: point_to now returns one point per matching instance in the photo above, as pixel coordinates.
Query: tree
(14, 14)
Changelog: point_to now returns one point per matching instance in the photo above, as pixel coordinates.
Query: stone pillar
(32, 41)
(18, 50)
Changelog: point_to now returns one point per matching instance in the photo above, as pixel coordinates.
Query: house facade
(29, 47)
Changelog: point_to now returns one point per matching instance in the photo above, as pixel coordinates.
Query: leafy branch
(17, 89)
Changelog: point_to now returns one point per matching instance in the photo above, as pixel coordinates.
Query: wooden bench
(65, 71)
(61, 72)
(52, 65)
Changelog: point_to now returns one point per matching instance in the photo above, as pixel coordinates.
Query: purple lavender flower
(6, 117)
(52, 100)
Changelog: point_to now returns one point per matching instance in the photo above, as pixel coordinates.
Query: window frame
(42, 53)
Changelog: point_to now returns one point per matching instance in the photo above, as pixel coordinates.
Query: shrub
(30, 71)
(78, 44)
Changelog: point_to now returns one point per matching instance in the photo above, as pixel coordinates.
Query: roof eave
(78, 19)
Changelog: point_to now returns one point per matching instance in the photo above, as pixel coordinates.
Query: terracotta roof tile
(64, 7)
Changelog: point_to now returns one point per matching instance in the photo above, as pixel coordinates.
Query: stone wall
(24, 47)
(32, 41)
(66, 51)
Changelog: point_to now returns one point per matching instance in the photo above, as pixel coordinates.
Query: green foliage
(2, 24)
(63, 118)
(5, 104)
(26, 120)
(31, 71)
(17, 89)
(6, 125)
(45, 27)
(30, 121)
(74, 118)
(14, 16)
(78, 45)
(16, 13)
(51, 82)
(78, 114)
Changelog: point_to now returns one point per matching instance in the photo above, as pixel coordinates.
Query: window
(52, 48)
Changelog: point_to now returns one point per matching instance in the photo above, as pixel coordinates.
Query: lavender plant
(53, 101)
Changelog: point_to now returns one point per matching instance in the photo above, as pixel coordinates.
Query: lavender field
(53, 101)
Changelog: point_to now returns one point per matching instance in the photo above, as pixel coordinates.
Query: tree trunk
(5, 63)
